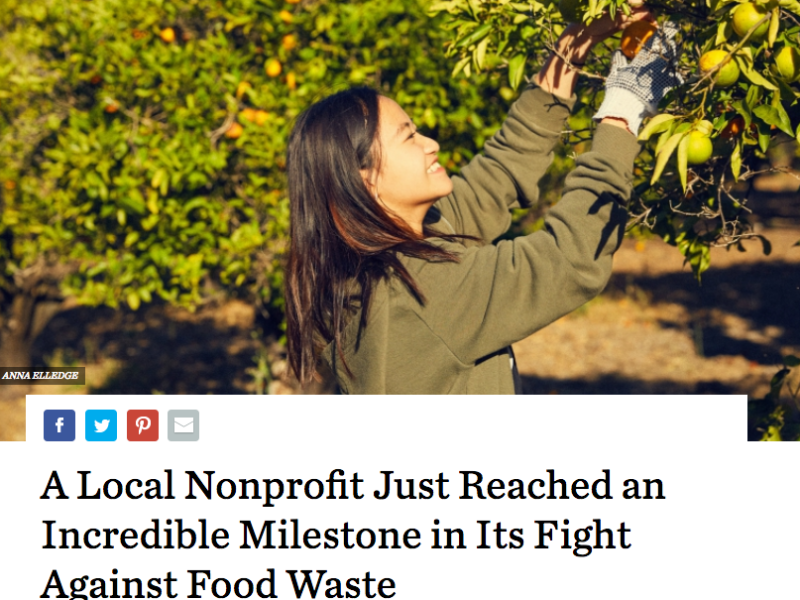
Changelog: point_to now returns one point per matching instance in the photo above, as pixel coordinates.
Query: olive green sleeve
(499, 294)
(506, 175)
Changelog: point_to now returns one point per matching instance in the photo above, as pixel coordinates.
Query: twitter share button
(101, 426)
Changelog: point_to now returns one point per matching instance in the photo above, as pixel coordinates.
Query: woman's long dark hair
(342, 240)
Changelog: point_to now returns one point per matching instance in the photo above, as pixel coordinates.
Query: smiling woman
(393, 276)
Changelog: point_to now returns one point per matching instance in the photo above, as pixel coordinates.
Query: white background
(728, 525)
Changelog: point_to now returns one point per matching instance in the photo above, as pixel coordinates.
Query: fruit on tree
(168, 35)
(259, 117)
(273, 67)
(746, 15)
(289, 42)
(733, 128)
(285, 16)
(111, 107)
(699, 148)
(634, 37)
(242, 88)
(724, 77)
(234, 131)
(787, 63)
(291, 80)
(571, 10)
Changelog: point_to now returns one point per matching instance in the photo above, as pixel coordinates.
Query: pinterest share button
(142, 425)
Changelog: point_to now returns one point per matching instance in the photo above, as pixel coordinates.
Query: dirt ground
(654, 330)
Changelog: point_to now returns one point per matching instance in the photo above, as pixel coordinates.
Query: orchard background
(144, 208)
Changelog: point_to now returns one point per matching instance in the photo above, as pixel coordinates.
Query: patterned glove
(634, 89)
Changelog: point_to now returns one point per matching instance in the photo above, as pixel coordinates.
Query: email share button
(183, 425)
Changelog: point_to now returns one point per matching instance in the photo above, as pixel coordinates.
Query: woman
(392, 277)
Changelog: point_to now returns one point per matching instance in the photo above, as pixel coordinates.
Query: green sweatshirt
(458, 341)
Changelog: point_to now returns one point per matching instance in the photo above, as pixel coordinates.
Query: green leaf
(766, 245)
(791, 361)
(657, 124)
(664, 154)
(775, 115)
(754, 76)
(743, 109)
(683, 162)
(133, 300)
(736, 160)
(460, 66)
(516, 69)
(476, 36)
(480, 53)
(774, 25)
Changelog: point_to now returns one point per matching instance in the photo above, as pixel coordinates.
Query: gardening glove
(634, 89)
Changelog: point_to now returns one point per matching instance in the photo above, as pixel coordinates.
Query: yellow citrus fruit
(168, 35)
(634, 37)
(293, 1)
(242, 88)
(249, 114)
(727, 75)
(787, 63)
(273, 67)
(285, 16)
(289, 42)
(291, 80)
(746, 15)
(234, 131)
(699, 149)
(571, 10)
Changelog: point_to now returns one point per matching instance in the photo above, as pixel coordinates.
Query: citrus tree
(711, 136)
(740, 62)
(142, 143)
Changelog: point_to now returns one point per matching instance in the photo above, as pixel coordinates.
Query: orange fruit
(234, 131)
(168, 35)
(96, 80)
(285, 16)
(259, 117)
(291, 80)
(10, 185)
(289, 42)
(293, 1)
(727, 75)
(787, 63)
(699, 149)
(111, 107)
(733, 128)
(242, 88)
(273, 67)
(746, 15)
(634, 37)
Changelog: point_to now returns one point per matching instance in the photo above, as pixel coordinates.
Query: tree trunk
(16, 340)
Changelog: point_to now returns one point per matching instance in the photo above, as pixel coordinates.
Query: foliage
(133, 152)
(693, 207)
(777, 416)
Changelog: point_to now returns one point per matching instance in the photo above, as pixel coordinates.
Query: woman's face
(410, 179)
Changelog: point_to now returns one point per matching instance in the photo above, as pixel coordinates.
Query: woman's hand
(558, 75)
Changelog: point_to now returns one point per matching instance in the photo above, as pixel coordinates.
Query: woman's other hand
(559, 73)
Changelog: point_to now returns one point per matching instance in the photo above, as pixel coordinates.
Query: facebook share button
(59, 426)
(183, 426)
